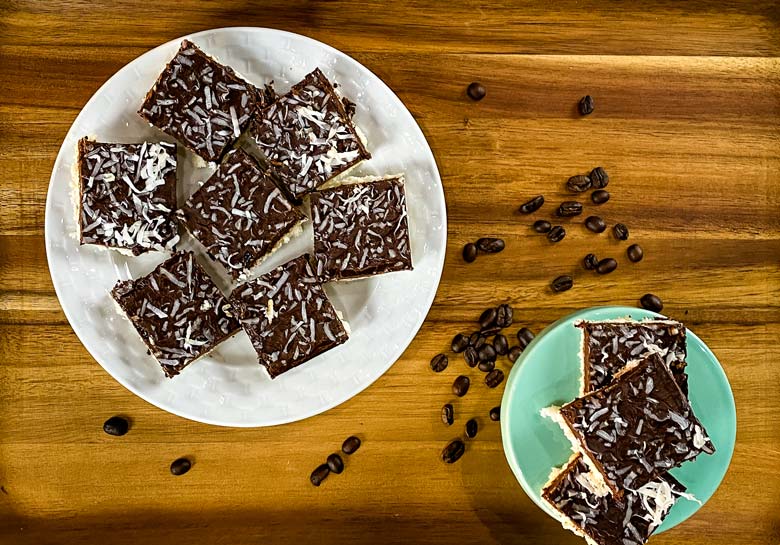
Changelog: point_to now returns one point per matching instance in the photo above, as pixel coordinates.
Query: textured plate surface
(548, 373)
(229, 387)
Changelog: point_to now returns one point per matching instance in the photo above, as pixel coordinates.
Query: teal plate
(547, 373)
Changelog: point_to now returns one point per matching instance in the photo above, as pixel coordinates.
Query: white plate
(228, 387)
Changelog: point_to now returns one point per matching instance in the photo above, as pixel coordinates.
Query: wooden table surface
(687, 124)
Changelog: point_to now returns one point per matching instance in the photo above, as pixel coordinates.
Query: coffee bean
(524, 337)
(514, 353)
(635, 253)
(439, 363)
(556, 234)
(447, 414)
(562, 283)
(652, 302)
(470, 252)
(459, 343)
(180, 466)
(335, 463)
(319, 474)
(599, 178)
(350, 445)
(477, 340)
(595, 224)
(504, 316)
(600, 196)
(590, 262)
(542, 226)
(471, 428)
(490, 331)
(487, 318)
(461, 386)
(620, 231)
(487, 353)
(487, 366)
(476, 91)
(471, 357)
(116, 425)
(453, 451)
(533, 205)
(569, 209)
(606, 266)
(586, 105)
(490, 245)
(495, 414)
(578, 184)
(500, 344)
(494, 378)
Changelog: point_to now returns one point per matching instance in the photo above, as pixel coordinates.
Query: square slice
(361, 228)
(308, 136)
(288, 316)
(239, 214)
(205, 105)
(637, 428)
(606, 520)
(127, 195)
(607, 347)
(178, 311)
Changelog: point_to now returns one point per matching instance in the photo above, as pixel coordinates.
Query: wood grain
(687, 123)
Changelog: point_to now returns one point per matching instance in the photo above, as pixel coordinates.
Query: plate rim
(338, 400)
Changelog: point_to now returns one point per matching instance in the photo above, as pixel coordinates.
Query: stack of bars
(304, 140)
(630, 426)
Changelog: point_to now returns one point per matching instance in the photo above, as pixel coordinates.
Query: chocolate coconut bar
(239, 214)
(178, 312)
(126, 195)
(202, 103)
(288, 316)
(609, 345)
(606, 520)
(308, 136)
(637, 428)
(361, 229)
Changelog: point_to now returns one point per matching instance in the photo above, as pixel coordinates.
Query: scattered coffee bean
(180, 466)
(490, 331)
(595, 224)
(461, 386)
(447, 414)
(476, 91)
(350, 445)
(606, 266)
(471, 357)
(490, 245)
(453, 451)
(487, 318)
(620, 231)
(599, 178)
(470, 252)
(600, 196)
(494, 378)
(652, 302)
(487, 353)
(471, 428)
(635, 253)
(569, 209)
(487, 366)
(335, 463)
(542, 226)
(477, 339)
(459, 343)
(116, 425)
(495, 413)
(319, 474)
(586, 105)
(500, 344)
(514, 353)
(578, 184)
(524, 337)
(562, 283)
(504, 316)
(556, 234)
(533, 205)
(590, 262)
(439, 363)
